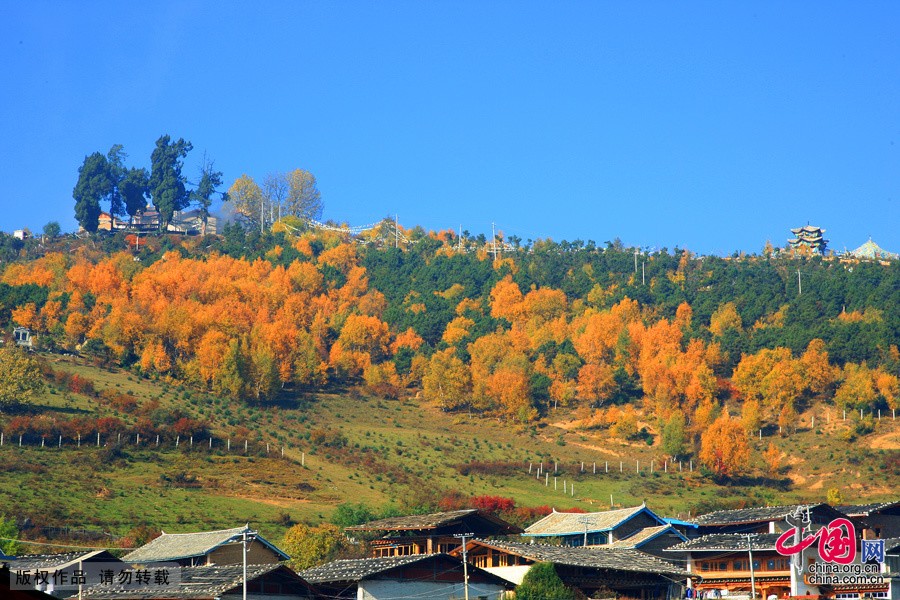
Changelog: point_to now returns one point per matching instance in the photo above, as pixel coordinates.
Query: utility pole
(246, 536)
(752, 575)
(396, 231)
(245, 561)
(799, 284)
(494, 241)
(463, 537)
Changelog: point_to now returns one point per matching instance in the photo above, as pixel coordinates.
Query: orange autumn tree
(724, 449)
(498, 360)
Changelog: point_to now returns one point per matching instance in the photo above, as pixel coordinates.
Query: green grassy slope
(346, 447)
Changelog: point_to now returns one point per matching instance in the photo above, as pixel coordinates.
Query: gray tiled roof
(727, 542)
(892, 544)
(597, 557)
(30, 562)
(358, 569)
(195, 583)
(177, 546)
(436, 520)
(644, 535)
(753, 515)
(563, 523)
(864, 510)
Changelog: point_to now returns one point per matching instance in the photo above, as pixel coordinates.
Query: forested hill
(252, 316)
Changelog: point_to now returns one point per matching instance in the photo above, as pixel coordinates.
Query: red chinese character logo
(837, 542)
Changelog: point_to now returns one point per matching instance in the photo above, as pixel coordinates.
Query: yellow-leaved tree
(20, 376)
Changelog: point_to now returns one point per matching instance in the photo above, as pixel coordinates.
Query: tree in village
(20, 376)
(541, 582)
(312, 546)
(94, 184)
(166, 181)
(724, 449)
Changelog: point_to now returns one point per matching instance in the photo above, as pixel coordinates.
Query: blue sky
(713, 126)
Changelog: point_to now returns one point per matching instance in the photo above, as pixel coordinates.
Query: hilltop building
(809, 239)
(872, 251)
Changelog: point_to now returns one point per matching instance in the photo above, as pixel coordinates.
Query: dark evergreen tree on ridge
(166, 181)
(94, 184)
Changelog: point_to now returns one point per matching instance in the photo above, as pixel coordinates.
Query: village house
(722, 560)
(610, 572)
(432, 576)
(145, 220)
(7, 591)
(213, 582)
(637, 527)
(434, 533)
(881, 519)
(768, 519)
(223, 547)
(722, 556)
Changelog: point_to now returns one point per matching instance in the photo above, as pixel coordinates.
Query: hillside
(380, 452)
(413, 377)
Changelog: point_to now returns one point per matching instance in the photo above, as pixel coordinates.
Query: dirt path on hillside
(596, 448)
(279, 502)
(888, 441)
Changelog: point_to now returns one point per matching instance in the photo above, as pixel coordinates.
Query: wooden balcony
(758, 574)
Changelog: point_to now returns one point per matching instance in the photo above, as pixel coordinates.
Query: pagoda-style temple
(808, 240)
